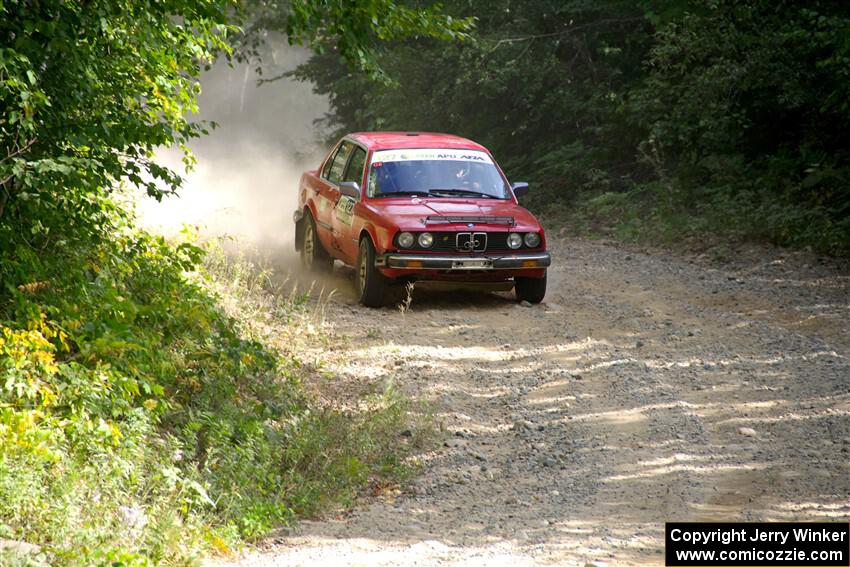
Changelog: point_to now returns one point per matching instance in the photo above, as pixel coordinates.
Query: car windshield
(437, 173)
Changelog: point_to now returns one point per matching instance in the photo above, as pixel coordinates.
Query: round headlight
(532, 240)
(405, 240)
(514, 241)
(426, 239)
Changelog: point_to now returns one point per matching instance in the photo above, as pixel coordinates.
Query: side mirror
(350, 189)
(520, 188)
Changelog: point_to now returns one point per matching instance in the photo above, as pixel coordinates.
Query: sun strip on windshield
(422, 154)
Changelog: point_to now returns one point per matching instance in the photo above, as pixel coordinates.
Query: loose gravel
(647, 388)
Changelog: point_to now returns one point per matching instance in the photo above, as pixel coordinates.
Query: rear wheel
(313, 255)
(371, 283)
(531, 290)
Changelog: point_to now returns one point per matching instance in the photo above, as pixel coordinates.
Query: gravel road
(647, 388)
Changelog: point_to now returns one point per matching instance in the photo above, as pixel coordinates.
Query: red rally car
(409, 206)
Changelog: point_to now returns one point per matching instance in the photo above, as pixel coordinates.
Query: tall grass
(153, 408)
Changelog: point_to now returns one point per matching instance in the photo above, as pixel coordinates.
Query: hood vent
(448, 219)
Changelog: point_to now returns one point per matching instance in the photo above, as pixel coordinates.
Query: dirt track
(648, 388)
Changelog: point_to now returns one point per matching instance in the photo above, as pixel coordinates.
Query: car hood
(409, 213)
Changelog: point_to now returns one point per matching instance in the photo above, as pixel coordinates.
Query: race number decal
(344, 210)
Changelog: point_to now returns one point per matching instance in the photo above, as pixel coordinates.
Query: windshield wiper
(463, 192)
(403, 193)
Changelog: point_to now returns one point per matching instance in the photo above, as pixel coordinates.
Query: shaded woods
(710, 121)
(145, 416)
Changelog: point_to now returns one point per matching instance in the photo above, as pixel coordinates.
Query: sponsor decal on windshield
(383, 156)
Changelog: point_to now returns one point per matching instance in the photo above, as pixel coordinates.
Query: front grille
(447, 242)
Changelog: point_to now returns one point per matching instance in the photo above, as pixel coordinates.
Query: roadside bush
(141, 424)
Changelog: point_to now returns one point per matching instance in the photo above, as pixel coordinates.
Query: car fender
(368, 231)
(308, 207)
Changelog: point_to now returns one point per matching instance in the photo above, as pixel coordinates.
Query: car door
(326, 192)
(343, 221)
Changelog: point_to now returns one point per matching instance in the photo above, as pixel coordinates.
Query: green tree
(543, 85)
(746, 107)
(354, 29)
(89, 90)
(660, 118)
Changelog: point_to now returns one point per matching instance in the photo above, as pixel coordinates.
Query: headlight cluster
(531, 240)
(406, 240)
(515, 240)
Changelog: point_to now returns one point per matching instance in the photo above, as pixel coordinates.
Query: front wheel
(313, 254)
(370, 282)
(531, 290)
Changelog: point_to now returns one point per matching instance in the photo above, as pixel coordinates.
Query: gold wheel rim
(361, 274)
(308, 246)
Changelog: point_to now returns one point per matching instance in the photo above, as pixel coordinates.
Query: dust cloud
(244, 185)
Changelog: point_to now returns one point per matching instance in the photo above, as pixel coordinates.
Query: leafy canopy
(666, 118)
(90, 89)
(353, 29)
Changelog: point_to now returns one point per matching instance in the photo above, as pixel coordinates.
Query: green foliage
(718, 117)
(89, 90)
(355, 26)
(746, 107)
(140, 423)
(352, 29)
(528, 87)
(119, 354)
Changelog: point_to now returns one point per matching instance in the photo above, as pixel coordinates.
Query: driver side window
(335, 167)
(355, 166)
(327, 169)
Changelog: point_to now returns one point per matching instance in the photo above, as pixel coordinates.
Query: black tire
(371, 283)
(531, 290)
(314, 257)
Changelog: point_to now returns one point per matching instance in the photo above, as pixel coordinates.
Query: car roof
(398, 140)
